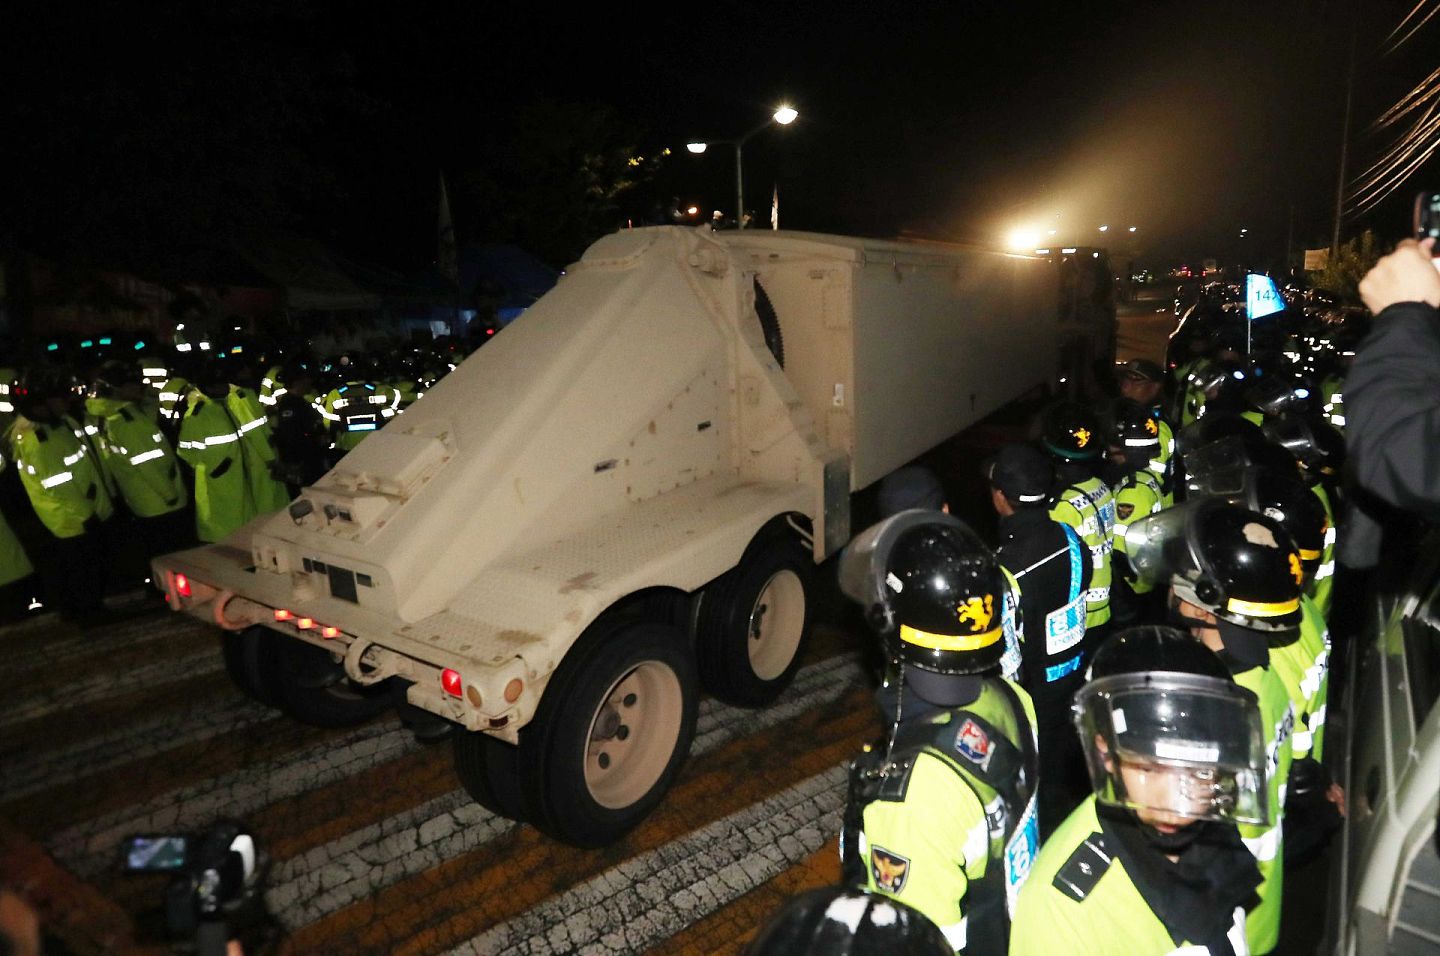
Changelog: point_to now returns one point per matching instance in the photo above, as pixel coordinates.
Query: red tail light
(304, 623)
(451, 682)
(182, 585)
(328, 631)
(281, 614)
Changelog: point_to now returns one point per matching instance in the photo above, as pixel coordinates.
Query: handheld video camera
(215, 889)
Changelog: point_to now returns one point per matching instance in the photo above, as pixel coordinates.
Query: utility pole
(1344, 144)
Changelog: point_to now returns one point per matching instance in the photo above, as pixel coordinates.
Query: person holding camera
(1392, 393)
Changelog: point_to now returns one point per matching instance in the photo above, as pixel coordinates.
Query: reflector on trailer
(451, 682)
(328, 631)
(305, 623)
(182, 585)
(281, 614)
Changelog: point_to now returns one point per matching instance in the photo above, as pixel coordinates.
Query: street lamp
(785, 115)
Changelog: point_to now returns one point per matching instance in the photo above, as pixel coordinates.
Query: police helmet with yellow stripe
(932, 589)
(1239, 564)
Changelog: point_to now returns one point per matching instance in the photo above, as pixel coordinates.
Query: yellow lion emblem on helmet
(1151, 427)
(1082, 436)
(1296, 571)
(977, 612)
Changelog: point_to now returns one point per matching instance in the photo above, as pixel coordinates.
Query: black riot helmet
(1134, 432)
(1238, 564)
(1215, 427)
(113, 375)
(1156, 698)
(848, 921)
(931, 589)
(1071, 431)
(1286, 499)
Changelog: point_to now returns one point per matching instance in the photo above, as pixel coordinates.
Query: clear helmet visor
(1156, 545)
(1216, 464)
(1175, 748)
(864, 561)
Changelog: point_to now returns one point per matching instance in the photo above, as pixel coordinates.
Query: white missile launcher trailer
(621, 497)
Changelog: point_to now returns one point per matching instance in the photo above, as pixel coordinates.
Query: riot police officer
(1143, 382)
(1083, 500)
(1235, 579)
(1135, 441)
(942, 816)
(1052, 566)
(1152, 863)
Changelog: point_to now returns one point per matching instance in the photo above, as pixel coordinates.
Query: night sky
(149, 131)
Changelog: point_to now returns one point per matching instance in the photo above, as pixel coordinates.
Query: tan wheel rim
(776, 623)
(632, 735)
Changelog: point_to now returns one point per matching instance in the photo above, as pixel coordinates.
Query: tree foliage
(1343, 271)
(550, 177)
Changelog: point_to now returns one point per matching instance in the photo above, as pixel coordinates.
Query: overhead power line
(1397, 44)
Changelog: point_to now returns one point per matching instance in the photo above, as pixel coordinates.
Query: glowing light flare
(1023, 238)
(786, 115)
(182, 585)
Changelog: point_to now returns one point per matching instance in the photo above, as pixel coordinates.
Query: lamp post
(785, 115)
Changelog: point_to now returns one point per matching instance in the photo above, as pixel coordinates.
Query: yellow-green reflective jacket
(251, 424)
(1089, 508)
(137, 457)
(1304, 666)
(1321, 586)
(60, 475)
(1093, 909)
(210, 444)
(1277, 717)
(14, 563)
(946, 828)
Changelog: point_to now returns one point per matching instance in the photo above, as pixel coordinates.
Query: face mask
(1243, 649)
(1173, 842)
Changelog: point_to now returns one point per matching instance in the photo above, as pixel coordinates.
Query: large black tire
(249, 667)
(312, 687)
(611, 732)
(489, 769)
(753, 620)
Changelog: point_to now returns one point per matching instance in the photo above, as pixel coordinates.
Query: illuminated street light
(1104, 228)
(1132, 229)
(784, 116)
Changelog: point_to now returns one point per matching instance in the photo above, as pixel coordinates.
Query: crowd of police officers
(1161, 583)
(118, 448)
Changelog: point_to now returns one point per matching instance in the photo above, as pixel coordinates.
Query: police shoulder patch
(1077, 878)
(973, 743)
(889, 870)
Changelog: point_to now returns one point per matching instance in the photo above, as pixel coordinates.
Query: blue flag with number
(1262, 297)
